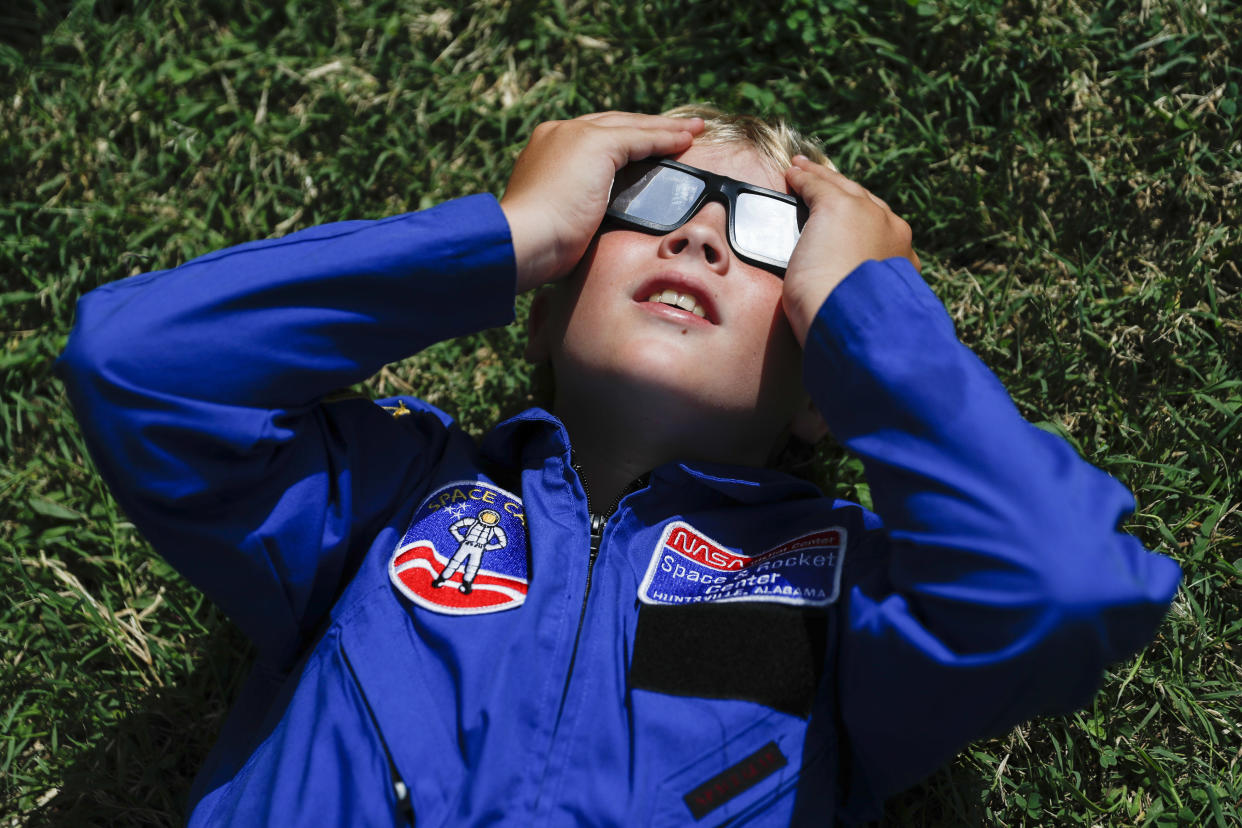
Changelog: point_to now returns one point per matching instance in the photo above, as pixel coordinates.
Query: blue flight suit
(705, 657)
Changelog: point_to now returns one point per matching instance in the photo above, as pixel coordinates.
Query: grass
(1071, 171)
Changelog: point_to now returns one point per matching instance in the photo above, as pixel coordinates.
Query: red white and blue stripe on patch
(464, 552)
(688, 567)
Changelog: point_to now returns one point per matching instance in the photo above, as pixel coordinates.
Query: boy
(615, 615)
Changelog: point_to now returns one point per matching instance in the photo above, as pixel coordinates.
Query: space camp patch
(688, 567)
(464, 552)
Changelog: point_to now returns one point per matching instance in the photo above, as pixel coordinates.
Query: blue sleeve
(999, 586)
(199, 390)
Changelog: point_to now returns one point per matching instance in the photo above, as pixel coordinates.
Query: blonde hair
(775, 141)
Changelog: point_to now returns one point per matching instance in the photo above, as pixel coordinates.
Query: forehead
(736, 161)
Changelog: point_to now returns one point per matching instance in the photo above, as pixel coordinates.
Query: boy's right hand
(559, 188)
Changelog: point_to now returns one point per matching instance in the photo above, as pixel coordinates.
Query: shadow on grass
(953, 796)
(24, 25)
(139, 772)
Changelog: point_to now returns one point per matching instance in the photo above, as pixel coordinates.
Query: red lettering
(827, 537)
(698, 548)
(734, 780)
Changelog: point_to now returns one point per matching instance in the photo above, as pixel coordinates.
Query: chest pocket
(754, 778)
(751, 770)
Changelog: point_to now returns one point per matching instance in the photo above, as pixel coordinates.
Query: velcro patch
(464, 552)
(688, 567)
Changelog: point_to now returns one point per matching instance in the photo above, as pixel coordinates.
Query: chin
(683, 373)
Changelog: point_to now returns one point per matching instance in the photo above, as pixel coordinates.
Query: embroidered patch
(735, 780)
(690, 568)
(464, 552)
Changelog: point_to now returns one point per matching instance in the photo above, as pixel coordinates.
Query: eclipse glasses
(661, 195)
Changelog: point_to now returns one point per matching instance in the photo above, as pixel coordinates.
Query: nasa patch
(464, 552)
(690, 568)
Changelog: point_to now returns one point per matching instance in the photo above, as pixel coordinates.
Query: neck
(614, 443)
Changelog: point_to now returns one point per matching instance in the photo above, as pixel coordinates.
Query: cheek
(579, 286)
(766, 314)
(616, 243)
(594, 286)
(781, 356)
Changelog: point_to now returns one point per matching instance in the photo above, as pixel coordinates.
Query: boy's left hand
(847, 226)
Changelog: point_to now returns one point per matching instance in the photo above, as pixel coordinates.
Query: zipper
(598, 523)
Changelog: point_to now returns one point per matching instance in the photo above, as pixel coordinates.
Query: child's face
(736, 366)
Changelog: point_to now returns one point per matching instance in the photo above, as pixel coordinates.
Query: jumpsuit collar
(528, 439)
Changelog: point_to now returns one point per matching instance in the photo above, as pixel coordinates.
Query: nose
(703, 237)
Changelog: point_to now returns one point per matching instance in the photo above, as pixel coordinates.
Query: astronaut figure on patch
(477, 535)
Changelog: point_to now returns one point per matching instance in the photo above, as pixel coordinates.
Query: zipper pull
(598, 523)
(405, 808)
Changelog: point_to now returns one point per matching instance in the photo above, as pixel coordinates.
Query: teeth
(685, 301)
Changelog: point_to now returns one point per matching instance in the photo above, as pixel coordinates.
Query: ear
(538, 344)
(808, 424)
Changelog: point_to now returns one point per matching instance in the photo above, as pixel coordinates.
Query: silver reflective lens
(765, 227)
(662, 196)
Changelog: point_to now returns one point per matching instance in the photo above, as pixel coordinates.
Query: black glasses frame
(718, 188)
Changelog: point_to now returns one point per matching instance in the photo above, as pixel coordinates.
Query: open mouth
(683, 294)
(684, 301)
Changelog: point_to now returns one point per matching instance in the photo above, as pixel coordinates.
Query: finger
(637, 119)
(854, 188)
(822, 173)
(845, 184)
(636, 143)
(849, 185)
(816, 185)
